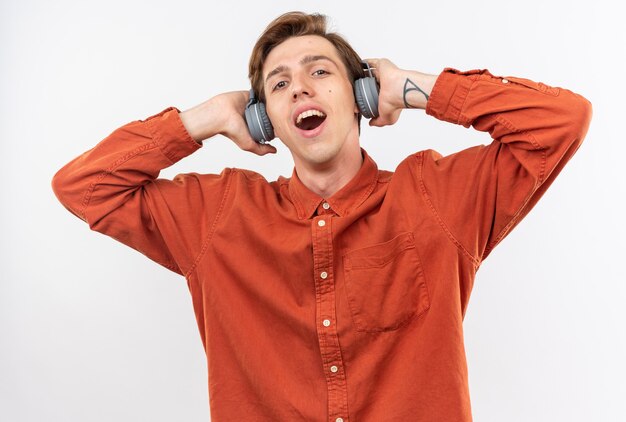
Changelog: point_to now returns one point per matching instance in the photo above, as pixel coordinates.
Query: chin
(318, 151)
(320, 154)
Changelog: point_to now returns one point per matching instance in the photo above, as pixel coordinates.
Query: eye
(320, 72)
(279, 85)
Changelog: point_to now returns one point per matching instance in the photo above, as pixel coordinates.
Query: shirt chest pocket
(385, 284)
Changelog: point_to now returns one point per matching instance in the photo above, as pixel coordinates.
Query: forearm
(200, 121)
(415, 91)
(521, 113)
(399, 89)
(126, 160)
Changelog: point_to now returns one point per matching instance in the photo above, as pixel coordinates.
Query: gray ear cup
(366, 95)
(258, 123)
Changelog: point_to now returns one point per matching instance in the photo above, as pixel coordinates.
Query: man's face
(310, 101)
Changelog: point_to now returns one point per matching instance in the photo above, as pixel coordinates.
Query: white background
(93, 331)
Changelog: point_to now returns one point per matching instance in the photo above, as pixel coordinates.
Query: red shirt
(348, 308)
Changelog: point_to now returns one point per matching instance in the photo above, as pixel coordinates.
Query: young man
(337, 294)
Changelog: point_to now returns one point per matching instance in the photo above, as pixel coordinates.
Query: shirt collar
(344, 200)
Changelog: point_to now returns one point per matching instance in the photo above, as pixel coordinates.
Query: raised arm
(114, 187)
(481, 193)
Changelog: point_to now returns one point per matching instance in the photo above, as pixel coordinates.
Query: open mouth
(310, 119)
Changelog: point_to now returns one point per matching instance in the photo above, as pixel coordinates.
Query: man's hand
(223, 114)
(399, 89)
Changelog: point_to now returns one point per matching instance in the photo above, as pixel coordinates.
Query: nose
(300, 87)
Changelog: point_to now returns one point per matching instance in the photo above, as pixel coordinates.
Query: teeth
(309, 113)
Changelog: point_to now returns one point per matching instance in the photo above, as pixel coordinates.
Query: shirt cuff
(449, 93)
(168, 130)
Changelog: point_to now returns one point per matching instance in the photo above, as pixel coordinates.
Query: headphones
(365, 94)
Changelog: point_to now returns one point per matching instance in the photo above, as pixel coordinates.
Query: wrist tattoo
(409, 86)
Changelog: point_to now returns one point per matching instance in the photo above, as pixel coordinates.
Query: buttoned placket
(333, 365)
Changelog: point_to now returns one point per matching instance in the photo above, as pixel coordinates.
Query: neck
(325, 180)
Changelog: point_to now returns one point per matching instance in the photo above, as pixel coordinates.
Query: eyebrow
(305, 60)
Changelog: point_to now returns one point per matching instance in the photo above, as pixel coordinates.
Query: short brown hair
(295, 24)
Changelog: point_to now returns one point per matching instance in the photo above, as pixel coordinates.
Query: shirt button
(324, 275)
(321, 223)
(505, 81)
(326, 322)
(339, 420)
(325, 205)
(333, 368)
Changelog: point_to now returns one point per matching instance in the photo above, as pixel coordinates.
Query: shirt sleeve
(481, 193)
(115, 188)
